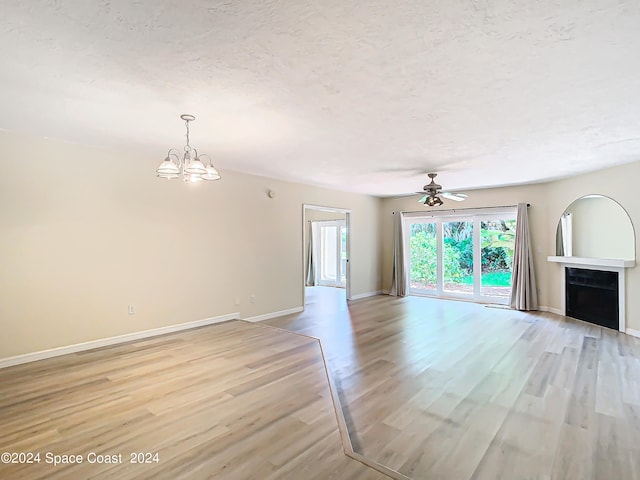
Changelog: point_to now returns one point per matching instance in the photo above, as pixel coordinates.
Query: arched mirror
(595, 226)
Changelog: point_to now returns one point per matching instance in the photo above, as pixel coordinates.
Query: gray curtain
(524, 295)
(311, 263)
(399, 275)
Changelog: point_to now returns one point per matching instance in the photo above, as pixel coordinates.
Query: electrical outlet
(132, 310)
(237, 300)
(252, 298)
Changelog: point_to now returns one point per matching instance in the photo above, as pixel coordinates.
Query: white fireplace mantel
(606, 264)
(593, 262)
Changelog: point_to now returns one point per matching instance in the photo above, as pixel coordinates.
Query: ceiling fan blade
(458, 197)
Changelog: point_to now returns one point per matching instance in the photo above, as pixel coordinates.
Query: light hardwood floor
(433, 389)
(228, 401)
(452, 390)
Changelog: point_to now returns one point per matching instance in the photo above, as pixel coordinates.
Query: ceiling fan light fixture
(432, 193)
(433, 201)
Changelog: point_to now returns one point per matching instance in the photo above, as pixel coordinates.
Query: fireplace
(609, 290)
(592, 296)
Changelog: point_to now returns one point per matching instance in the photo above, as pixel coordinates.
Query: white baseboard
(368, 294)
(543, 308)
(267, 316)
(103, 342)
(632, 332)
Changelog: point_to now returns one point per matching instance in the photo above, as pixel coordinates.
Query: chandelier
(192, 167)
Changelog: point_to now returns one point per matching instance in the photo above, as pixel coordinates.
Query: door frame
(347, 213)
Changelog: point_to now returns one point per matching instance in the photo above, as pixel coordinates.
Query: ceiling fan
(432, 192)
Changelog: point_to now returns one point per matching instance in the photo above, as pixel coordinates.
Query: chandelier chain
(187, 147)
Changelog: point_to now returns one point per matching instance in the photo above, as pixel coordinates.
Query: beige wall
(601, 229)
(87, 232)
(618, 183)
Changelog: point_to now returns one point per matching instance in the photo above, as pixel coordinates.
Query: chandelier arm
(173, 154)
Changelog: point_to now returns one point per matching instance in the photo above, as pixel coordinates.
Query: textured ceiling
(360, 96)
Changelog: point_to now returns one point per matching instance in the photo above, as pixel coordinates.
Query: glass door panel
(343, 254)
(458, 257)
(423, 256)
(330, 247)
(328, 254)
(498, 240)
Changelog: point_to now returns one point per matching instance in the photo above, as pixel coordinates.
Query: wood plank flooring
(433, 389)
(452, 390)
(228, 401)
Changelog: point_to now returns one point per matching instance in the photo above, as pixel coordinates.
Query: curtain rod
(460, 209)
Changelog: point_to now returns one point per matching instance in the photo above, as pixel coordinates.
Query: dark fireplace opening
(592, 296)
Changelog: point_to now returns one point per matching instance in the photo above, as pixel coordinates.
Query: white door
(331, 252)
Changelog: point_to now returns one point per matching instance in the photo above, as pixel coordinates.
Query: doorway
(330, 251)
(326, 252)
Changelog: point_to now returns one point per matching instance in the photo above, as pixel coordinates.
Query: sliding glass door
(461, 256)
